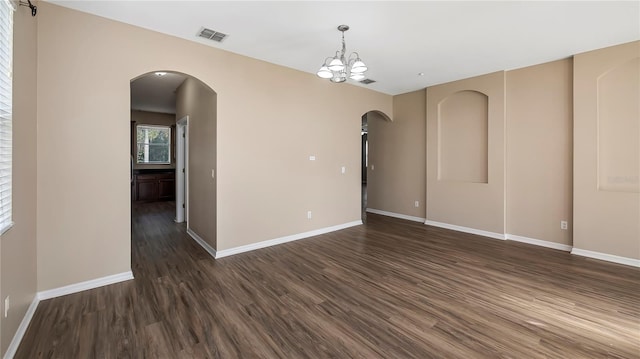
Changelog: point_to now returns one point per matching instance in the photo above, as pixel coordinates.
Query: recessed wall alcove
(618, 127)
(463, 123)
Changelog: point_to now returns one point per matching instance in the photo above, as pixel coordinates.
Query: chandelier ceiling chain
(338, 67)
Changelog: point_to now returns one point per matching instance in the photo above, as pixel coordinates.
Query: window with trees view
(154, 144)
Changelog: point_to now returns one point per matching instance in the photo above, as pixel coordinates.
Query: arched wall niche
(618, 127)
(463, 137)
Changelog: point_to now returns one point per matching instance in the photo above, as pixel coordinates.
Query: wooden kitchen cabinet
(167, 188)
(150, 187)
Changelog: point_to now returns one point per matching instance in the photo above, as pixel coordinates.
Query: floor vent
(367, 81)
(212, 34)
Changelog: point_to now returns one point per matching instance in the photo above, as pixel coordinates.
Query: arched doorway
(173, 152)
(371, 121)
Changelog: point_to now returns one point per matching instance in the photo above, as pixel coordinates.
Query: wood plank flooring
(390, 289)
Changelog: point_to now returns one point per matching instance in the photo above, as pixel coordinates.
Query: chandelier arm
(352, 59)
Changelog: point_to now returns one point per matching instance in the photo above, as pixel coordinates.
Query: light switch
(344, 169)
(213, 173)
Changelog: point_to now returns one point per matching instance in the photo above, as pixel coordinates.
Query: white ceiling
(156, 93)
(444, 40)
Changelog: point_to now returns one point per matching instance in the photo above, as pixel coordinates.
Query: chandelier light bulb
(338, 79)
(358, 67)
(325, 73)
(356, 76)
(336, 65)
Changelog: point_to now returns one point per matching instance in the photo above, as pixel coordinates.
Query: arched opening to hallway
(173, 162)
(371, 120)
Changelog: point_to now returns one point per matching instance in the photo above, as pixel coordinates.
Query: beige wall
(539, 151)
(18, 245)
(607, 151)
(152, 118)
(467, 202)
(270, 119)
(199, 102)
(397, 150)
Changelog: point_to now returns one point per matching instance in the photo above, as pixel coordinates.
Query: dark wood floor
(390, 289)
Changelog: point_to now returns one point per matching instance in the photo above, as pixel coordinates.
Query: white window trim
(6, 113)
(169, 145)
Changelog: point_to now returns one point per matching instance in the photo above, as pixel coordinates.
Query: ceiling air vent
(367, 81)
(211, 34)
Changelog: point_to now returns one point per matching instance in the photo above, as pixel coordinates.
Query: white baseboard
(207, 247)
(606, 257)
(22, 328)
(466, 229)
(276, 241)
(539, 242)
(395, 215)
(90, 284)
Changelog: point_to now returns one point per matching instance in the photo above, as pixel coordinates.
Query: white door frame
(182, 176)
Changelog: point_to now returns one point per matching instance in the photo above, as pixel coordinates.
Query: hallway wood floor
(390, 289)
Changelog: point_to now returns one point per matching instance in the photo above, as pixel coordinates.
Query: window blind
(6, 67)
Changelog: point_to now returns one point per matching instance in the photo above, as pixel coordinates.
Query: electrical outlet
(6, 306)
(308, 214)
(417, 204)
(563, 225)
